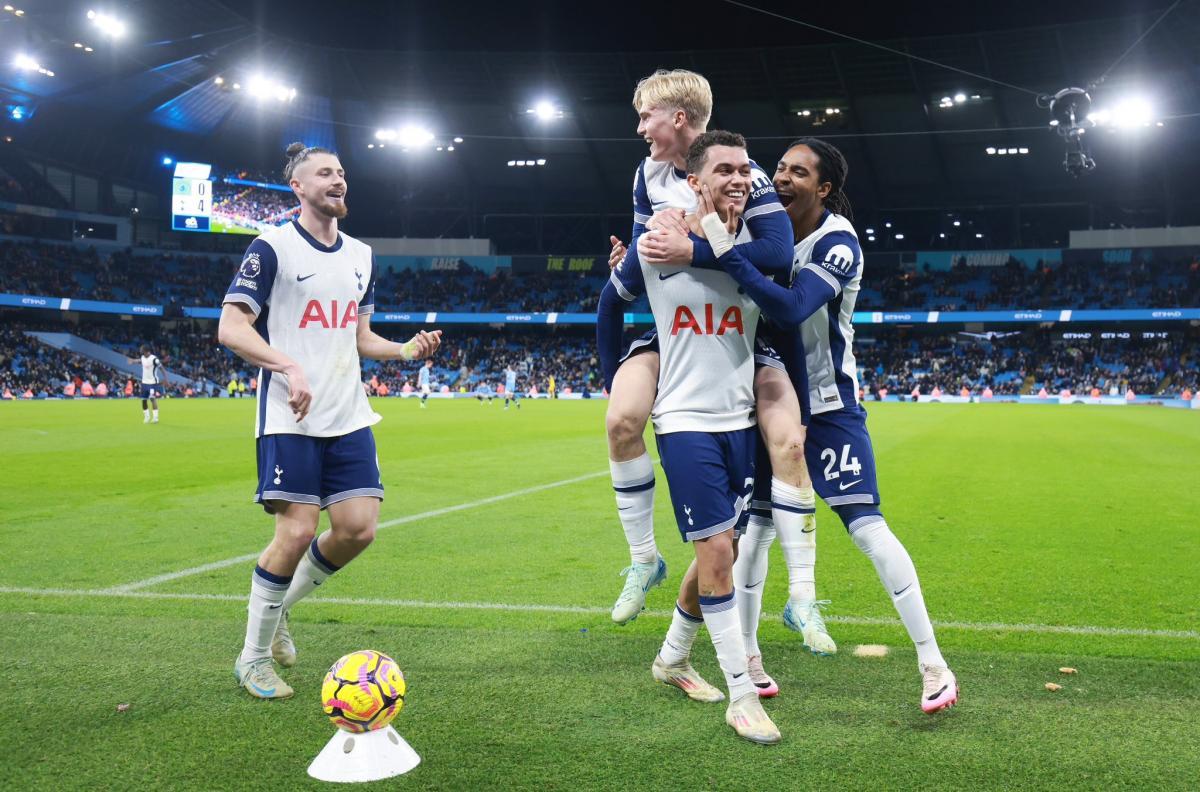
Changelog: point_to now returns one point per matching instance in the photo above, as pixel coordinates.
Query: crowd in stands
(1030, 361)
(179, 280)
(252, 207)
(1157, 284)
(27, 366)
(471, 358)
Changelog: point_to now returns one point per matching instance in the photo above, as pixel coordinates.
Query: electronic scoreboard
(191, 197)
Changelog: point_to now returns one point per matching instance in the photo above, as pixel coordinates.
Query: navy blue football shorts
(317, 470)
(711, 477)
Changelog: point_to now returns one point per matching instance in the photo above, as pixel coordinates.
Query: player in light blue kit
(818, 307)
(703, 415)
(510, 387)
(425, 381)
(300, 307)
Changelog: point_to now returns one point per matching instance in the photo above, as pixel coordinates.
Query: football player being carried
(300, 308)
(673, 110)
(817, 310)
(703, 415)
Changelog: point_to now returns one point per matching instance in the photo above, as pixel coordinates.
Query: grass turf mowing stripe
(199, 570)
(1061, 629)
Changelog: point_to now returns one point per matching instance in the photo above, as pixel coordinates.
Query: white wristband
(718, 235)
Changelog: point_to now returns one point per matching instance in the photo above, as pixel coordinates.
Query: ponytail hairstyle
(297, 153)
(832, 168)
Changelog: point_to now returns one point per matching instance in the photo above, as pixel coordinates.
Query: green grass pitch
(1044, 537)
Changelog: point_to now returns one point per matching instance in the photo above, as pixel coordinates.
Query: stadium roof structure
(941, 127)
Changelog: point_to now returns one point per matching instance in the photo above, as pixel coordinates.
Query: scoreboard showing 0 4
(191, 197)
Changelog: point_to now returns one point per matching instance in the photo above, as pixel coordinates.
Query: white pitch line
(1052, 629)
(227, 562)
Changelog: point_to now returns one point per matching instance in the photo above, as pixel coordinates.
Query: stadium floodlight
(1135, 111)
(219, 80)
(261, 87)
(449, 148)
(887, 224)
(458, 140)
(899, 236)
(168, 161)
(959, 98)
(541, 162)
(978, 236)
(1023, 150)
(385, 134)
(545, 110)
(941, 236)
(1002, 151)
(25, 63)
(108, 24)
(957, 223)
(870, 231)
(370, 145)
(870, 239)
(990, 149)
(413, 136)
(512, 163)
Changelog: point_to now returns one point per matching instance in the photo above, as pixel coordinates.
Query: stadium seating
(177, 280)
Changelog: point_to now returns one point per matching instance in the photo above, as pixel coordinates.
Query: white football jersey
(307, 299)
(832, 253)
(706, 345)
(660, 185)
(151, 368)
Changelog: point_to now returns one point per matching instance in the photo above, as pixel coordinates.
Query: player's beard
(335, 210)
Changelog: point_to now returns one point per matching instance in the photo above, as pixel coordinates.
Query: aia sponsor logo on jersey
(685, 320)
(315, 314)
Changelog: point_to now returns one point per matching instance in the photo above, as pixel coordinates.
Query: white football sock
(677, 647)
(794, 512)
(749, 574)
(899, 577)
(312, 571)
(633, 482)
(156, 414)
(266, 606)
(721, 619)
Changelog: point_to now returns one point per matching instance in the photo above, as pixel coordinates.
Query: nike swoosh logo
(901, 591)
(624, 508)
(808, 530)
(843, 487)
(317, 582)
(306, 277)
(672, 275)
(749, 586)
(940, 692)
(275, 607)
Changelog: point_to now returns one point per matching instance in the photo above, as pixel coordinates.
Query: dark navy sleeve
(771, 248)
(255, 277)
(788, 306)
(367, 304)
(836, 259)
(624, 286)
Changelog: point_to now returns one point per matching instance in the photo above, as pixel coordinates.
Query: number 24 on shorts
(848, 463)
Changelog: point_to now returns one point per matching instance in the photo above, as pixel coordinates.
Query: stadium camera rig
(1069, 117)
